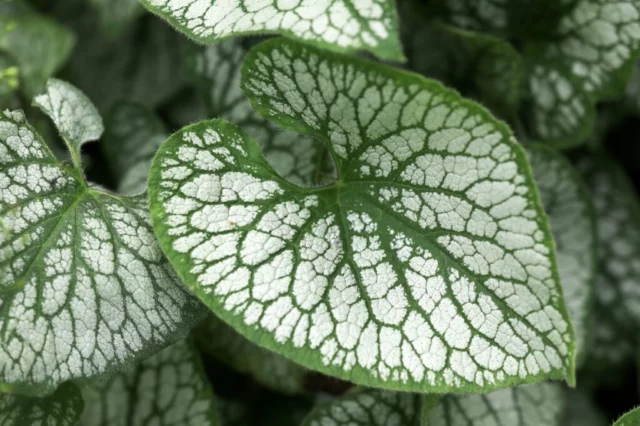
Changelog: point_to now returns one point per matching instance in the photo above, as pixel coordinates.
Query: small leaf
(266, 367)
(342, 25)
(617, 295)
(632, 418)
(62, 408)
(576, 54)
(215, 70)
(526, 405)
(133, 135)
(170, 388)
(39, 45)
(78, 265)
(568, 204)
(367, 407)
(77, 120)
(410, 272)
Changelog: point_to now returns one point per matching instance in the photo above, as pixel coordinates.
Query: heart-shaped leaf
(568, 204)
(170, 388)
(342, 25)
(428, 265)
(84, 286)
(62, 408)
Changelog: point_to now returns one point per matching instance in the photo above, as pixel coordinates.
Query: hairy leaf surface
(216, 71)
(39, 45)
(343, 25)
(617, 294)
(170, 388)
(526, 405)
(62, 408)
(84, 286)
(428, 265)
(266, 367)
(583, 55)
(367, 408)
(632, 418)
(568, 205)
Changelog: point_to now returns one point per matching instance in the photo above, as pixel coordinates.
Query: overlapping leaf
(62, 408)
(526, 405)
(216, 70)
(572, 220)
(84, 286)
(576, 53)
(367, 408)
(428, 265)
(343, 25)
(617, 294)
(168, 389)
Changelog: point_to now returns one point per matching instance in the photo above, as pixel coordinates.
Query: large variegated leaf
(617, 293)
(577, 53)
(168, 389)
(62, 408)
(39, 45)
(428, 265)
(84, 287)
(216, 70)
(526, 405)
(367, 408)
(343, 25)
(266, 367)
(632, 418)
(568, 204)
